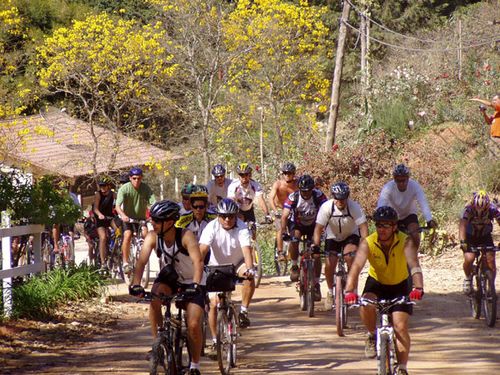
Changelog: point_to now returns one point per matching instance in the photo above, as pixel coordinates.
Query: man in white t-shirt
(217, 188)
(403, 194)
(245, 191)
(346, 225)
(229, 240)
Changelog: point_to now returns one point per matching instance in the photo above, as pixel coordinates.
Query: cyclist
(103, 209)
(132, 202)
(300, 210)
(198, 218)
(279, 192)
(229, 241)
(474, 229)
(345, 223)
(217, 188)
(185, 204)
(403, 194)
(183, 269)
(245, 191)
(389, 252)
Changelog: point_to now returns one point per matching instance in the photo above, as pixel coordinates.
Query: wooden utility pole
(365, 62)
(337, 75)
(459, 50)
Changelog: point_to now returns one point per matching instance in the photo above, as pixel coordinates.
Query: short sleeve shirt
(244, 196)
(135, 202)
(480, 224)
(340, 224)
(304, 211)
(226, 245)
(216, 192)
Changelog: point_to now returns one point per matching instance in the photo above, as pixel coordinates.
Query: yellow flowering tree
(282, 73)
(114, 73)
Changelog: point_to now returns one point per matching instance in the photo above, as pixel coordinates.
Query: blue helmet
(227, 207)
(136, 171)
(218, 170)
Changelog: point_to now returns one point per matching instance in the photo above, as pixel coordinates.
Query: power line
(495, 39)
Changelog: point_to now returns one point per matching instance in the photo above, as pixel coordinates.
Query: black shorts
(134, 227)
(403, 223)
(106, 223)
(305, 230)
(199, 299)
(383, 291)
(486, 240)
(248, 215)
(333, 246)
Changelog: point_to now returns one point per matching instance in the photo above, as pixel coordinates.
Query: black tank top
(106, 203)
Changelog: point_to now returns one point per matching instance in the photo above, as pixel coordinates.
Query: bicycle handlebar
(383, 304)
(478, 249)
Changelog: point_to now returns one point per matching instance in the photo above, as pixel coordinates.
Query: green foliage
(393, 116)
(40, 296)
(128, 9)
(491, 176)
(266, 238)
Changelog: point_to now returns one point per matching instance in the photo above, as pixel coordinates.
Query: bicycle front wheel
(181, 348)
(475, 297)
(162, 360)
(489, 298)
(258, 263)
(384, 356)
(223, 343)
(303, 287)
(340, 307)
(310, 288)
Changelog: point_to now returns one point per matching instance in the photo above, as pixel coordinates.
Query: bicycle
(306, 281)
(222, 279)
(339, 288)
(135, 250)
(257, 252)
(170, 349)
(483, 286)
(115, 259)
(385, 337)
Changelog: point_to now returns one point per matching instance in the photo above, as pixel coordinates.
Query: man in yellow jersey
(390, 253)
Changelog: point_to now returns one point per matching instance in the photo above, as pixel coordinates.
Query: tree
(113, 72)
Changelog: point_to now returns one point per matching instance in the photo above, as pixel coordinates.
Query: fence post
(6, 264)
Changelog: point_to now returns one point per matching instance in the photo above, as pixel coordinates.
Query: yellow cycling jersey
(188, 218)
(390, 270)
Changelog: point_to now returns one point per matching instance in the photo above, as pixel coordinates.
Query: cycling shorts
(134, 227)
(198, 299)
(486, 240)
(383, 291)
(403, 223)
(248, 215)
(332, 246)
(106, 223)
(305, 230)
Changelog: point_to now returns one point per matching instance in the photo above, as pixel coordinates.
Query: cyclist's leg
(155, 316)
(212, 315)
(350, 246)
(293, 250)
(369, 313)
(331, 258)
(126, 241)
(400, 323)
(248, 289)
(194, 311)
(279, 236)
(490, 260)
(56, 234)
(103, 242)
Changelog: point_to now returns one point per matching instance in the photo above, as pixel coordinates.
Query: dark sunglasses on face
(219, 176)
(227, 216)
(288, 173)
(201, 207)
(136, 178)
(244, 174)
(383, 225)
(156, 220)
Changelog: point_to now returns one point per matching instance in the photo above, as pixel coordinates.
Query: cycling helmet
(199, 192)
(187, 189)
(481, 200)
(340, 190)
(306, 183)
(136, 171)
(243, 168)
(227, 207)
(288, 168)
(104, 181)
(164, 210)
(218, 170)
(385, 213)
(401, 170)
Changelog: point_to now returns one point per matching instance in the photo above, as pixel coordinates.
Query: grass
(40, 296)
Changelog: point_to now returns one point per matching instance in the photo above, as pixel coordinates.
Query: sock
(195, 365)
(243, 308)
(294, 262)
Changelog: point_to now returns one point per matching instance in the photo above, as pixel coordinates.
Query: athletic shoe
(317, 292)
(370, 347)
(243, 319)
(294, 273)
(127, 269)
(329, 301)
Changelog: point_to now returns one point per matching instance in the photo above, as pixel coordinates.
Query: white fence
(8, 273)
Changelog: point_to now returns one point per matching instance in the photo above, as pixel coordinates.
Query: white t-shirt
(244, 196)
(405, 202)
(216, 192)
(226, 245)
(342, 223)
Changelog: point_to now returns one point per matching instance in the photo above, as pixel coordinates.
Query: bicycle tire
(383, 357)
(223, 342)
(489, 298)
(281, 265)
(181, 349)
(115, 261)
(258, 263)
(162, 360)
(302, 287)
(233, 325)
(475, 297)
(340, 308)
(310, 289)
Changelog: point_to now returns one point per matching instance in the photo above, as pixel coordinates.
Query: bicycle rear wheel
(223, 343)
(340, 307)
(384, 357)
(475, 297)
(310, 288)
(162, 360)
(489, 298)
(258, 263)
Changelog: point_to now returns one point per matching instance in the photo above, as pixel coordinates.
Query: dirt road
(282, 339)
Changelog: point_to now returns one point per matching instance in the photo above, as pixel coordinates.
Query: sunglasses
(383, 225)
(198, 207)
(244, 174)
(221, 176)
(400, 180)
(136, 178)
(288, 173)
(227, 216)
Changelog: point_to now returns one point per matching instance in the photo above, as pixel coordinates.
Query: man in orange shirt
(493, 120)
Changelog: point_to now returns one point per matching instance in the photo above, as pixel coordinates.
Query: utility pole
(337, 75)
(459, 49)
(365, 62)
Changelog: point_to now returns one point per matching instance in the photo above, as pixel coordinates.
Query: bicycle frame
(306, 278)
(340, 282)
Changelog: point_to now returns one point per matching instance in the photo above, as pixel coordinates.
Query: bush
(39, 297)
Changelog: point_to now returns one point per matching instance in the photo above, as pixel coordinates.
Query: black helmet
(401, 170)
(187, 189)
(288, 168)
(385, 213)
(218, 170)
(104, 181)
(164, 210)
(243, 168)
(136, 171)
(227, 207)
(340, 190)
(306, 182)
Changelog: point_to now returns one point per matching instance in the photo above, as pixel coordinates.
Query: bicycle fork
(386, 332)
